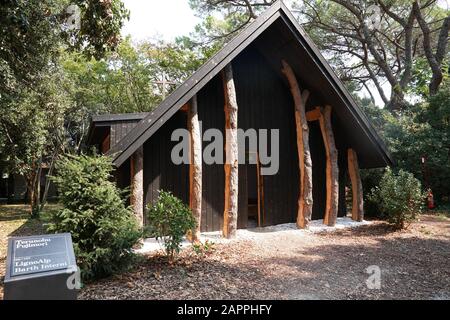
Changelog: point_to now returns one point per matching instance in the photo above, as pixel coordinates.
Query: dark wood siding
(120, 129)
(265, 103)
(319, 170)
(159, 171)
(211, 114)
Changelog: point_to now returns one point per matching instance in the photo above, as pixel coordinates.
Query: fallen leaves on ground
(414, 264)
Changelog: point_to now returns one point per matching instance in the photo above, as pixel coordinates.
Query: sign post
(41, 268)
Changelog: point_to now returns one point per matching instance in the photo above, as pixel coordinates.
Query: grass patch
(15, 221)
(442, 212)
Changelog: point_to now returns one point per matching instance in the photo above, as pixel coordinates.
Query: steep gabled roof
(276, 14)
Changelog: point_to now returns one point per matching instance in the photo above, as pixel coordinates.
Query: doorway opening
(255, 192)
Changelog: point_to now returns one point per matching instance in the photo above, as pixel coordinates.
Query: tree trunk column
(332, 168)
(195, 167)
(357, 190)
(305, 197)
(137, 185)
(231, 150)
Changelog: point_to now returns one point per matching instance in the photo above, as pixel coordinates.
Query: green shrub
(399, 197)
(103, 229)
(170, 220)
(202, 249)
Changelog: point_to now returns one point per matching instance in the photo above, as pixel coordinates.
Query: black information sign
(40, 267)
(39, 254)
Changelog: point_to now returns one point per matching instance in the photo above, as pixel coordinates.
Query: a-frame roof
(278, 13)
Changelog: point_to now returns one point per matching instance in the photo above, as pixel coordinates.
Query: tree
(119, 83)
(435, 58)
(384, 51)
(124, 81)
(100, 25)
(362, 51)
(31, 135)
(31, 34)
(33, 88)
(27, 42)
(103, 228)
(175, 61)
(419, 141)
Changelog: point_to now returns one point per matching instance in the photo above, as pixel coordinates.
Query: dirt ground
(414, 264)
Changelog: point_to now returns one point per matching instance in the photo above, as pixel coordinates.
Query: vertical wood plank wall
(159, 171)
(265, 102)
(120, 130)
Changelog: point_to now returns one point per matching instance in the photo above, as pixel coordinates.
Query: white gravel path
(152, 245)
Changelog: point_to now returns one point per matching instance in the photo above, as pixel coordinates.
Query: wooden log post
(357, 190)
(137, 185)
(231, 150)
(332, 168)
(195, 167)
(305, 198)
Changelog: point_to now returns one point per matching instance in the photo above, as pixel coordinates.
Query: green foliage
(221, 21)
(176, 61)
(28, 41)
(421, 132)
(202, 249)
(399, 197)
(125, 81)
(32, 129)
(170, 220)
(120, 83)
(101, 23)
(31, 34)
(103, 229)
(36, 105)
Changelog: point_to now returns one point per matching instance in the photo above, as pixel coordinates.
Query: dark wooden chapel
(270, 76)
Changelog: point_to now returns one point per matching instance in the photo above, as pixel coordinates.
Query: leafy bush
(103, 229)
(399, 197)
(170, 220)
(202, 249)
(370, 179)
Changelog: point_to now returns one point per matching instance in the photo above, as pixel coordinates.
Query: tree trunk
(231, 150)
(31, 197)
(38, 189)
(195, 167)
(357, 190)
(332, 171)
(32, 180)
(305, 198)
(434, 60)
(47, 182)
(137, 185)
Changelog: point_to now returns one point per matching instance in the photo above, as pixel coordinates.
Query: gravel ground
(281, 263)
(414, 264)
